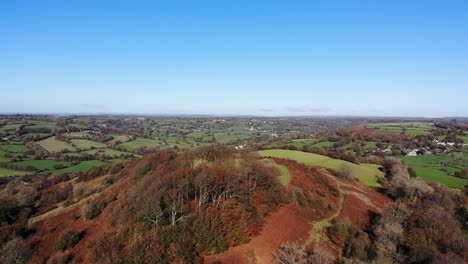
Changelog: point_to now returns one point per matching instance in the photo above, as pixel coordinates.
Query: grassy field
(366, 173)
(87, 144)
(284, 177)
(324, 144)
(105, 151)
(41, 124)
(79, 135)
(42, 164)
(410, 128)
(140, 142)
(34, 135)
(83, 166)
(438, 176)
(464, 138)
(7, 172)
(14, 148)
(430, 168)
(52, 145)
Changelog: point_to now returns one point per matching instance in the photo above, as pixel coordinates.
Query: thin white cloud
(306, 109)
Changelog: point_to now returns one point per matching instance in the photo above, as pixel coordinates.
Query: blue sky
(386, 58)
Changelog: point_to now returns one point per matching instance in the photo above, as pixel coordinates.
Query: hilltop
(211, 205)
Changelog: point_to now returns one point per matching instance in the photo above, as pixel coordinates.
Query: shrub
(68, 240)
(93, 209)
(15, 251)
(108, 250)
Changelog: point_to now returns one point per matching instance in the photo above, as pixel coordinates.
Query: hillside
(204, 205)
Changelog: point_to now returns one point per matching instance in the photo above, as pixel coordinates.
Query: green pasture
(87, 144)
(52, 145)
(13, 148)
(41, 164)
(83, 166)
(366, 173)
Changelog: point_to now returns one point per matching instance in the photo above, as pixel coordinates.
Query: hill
(211, 205)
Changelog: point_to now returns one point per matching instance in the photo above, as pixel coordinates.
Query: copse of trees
(201, 202)
(398, 182)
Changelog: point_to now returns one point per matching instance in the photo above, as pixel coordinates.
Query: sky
(242, 57)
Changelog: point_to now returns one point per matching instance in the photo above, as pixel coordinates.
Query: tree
(15, 251)
(290, 253)
(345, 171)
(321, 256)
(152, 210)
(175, 201)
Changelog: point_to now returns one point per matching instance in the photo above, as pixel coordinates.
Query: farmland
(8, 172)
(48, 144)
(53, 145)
(438, 168)
(13, 148)
(83, 166)
(86, 144)
(41, 165)
(405, 128)
(366, 173)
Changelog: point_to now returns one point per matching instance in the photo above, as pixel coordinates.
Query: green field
(438, 176)
(104, 151)
(52, 145)
(324, 144)
(430, 168)
(41, 124)
(79, 135)
(10, 127)
(284, 177)
(14, 148)
(410, 128)
(300, 143)
(35, 135)
(87, 144)
(139, 143)
(83, 166)
(41, 164)
(366, 173)
(7, 172)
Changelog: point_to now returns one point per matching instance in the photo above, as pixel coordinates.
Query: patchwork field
(42, 164)
(366, 173)
(87, 144)
(408, 128)
(52, 145)
(83, 166)
(433, 168)
(7, 172)
(13, 148)
(139, 143)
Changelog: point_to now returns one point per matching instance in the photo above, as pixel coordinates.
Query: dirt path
(316, 233)
(288, 223)
(59, 210)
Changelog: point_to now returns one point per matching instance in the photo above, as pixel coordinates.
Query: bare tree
(153, 212)
(176, 205)
(202, 191)
(14, 251)
(321, 256)
(290, 253)
(345, 171)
